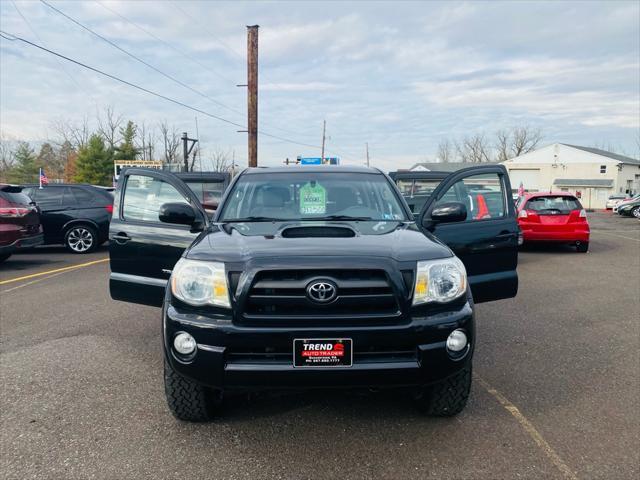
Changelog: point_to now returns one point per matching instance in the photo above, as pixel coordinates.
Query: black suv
(313, 277)
(75, 215)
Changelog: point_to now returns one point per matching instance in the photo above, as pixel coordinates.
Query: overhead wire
(138, 59)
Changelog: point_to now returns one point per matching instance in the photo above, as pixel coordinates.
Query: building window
(603, 169)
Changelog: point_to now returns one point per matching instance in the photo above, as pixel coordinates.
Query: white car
(614, 200)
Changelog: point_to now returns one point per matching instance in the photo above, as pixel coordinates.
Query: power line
(171, 46)
(115, 45)
(12, 37)
(35, 33)
(7, 36)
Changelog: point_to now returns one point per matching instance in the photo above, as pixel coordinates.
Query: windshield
(558, 203)
(312, 196)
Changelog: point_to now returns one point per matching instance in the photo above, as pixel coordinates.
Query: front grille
(360, 293)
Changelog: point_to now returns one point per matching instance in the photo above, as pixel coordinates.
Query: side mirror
(178, 213)
(446, 213)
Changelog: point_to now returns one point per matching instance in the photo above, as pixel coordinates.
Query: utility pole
(186, 149)
(367, 146)
(324, 128)
(252, 95)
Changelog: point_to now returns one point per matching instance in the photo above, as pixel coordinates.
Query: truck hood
(244, 242)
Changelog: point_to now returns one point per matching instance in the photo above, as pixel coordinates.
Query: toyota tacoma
(314, 277)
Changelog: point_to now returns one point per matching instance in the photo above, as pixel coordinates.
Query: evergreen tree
(94, 163)
(127, 149)
(25, 168)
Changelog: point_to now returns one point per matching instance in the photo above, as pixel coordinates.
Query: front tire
(188, 400)
(81, 239)
(448, 397)
(582, 247)
(636, 212)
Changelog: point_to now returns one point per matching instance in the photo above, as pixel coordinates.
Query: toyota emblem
(322, 291)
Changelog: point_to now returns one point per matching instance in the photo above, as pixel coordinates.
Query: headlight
(439, 281)
(200, 283)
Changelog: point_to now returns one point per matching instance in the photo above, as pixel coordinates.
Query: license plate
(322, 352)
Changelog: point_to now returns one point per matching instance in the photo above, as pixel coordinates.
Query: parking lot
(555, 394)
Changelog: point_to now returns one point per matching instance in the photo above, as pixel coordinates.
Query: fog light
(184, 343)
(457, 341)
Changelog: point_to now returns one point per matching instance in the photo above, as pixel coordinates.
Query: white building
(589, 173)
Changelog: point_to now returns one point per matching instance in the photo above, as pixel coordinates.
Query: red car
(19, 221)
(553, 217)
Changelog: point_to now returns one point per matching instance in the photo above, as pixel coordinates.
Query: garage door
(528, 177)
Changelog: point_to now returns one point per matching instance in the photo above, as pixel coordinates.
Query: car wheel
(4, 257)
(582, 247)
(448, 397)
(188, 400)
(81, 239)
(636, 212)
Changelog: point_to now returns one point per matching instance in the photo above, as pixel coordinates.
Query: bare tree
(147, 141)
(524, 140)
(77, 134)
(109, 125)
(170, 141)
(446, 152)
(502, 145)
(7, 156)
(474, 149)
(219, 160)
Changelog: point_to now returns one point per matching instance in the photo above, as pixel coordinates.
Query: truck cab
(314, 276)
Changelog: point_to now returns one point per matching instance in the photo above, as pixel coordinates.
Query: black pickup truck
(314, 277)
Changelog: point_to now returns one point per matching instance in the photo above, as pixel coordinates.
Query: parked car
(553, 217)
(313, 277)
(417, 187)
(19, 221)
(207, 186)
(624, 202)
(614, 200)
(630, 208)
(74, 215)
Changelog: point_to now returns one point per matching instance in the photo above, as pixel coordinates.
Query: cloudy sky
(400, 76)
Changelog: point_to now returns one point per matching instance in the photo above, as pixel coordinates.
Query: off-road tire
(81, 238)
(448, 397)
(583, 247)
(188, 400)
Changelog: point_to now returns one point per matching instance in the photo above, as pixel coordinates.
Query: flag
(43, 178)
(521, 190)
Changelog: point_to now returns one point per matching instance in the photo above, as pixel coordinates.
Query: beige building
(589, 173)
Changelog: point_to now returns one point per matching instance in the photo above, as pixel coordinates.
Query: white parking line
(530, 429)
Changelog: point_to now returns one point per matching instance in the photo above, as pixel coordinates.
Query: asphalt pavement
(555, 395)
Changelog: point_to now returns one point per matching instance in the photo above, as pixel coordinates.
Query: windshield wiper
(252, 219)
(342, 217)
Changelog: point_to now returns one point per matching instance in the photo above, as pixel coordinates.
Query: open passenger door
(472, 212)
(155, 218)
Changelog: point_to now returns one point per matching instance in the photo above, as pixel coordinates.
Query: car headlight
(200, 283)
(439, 281)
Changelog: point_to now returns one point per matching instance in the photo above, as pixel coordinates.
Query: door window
(82, 197)
(144, 195)
(482, 194)
(49, 197)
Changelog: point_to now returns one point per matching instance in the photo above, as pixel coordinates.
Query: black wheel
(636, 212)
(582, 247)
(4, 256)
(188, 400)
(81, 238)
(449, 397)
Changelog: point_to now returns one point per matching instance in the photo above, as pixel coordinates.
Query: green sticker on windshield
(313, 199)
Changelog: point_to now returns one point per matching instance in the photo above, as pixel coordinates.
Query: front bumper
(22, 243)
(233, 357)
